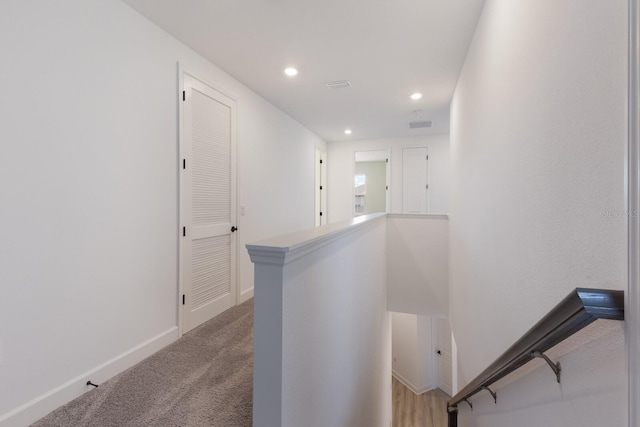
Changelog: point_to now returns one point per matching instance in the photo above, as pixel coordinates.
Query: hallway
(203, 379)
(411, 410)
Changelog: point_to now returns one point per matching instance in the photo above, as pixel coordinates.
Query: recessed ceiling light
(290, 71)
(416, 96)
(347, 131)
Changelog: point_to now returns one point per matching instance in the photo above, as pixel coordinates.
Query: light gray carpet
(203, 379)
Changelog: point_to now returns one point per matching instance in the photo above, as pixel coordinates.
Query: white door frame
(387, 158)
(320, 190)
(182, 71)
(632, 309)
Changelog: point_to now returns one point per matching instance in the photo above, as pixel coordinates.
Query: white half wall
(538, 132)
(418, 264)
(322, 346)
(89, 193)
(341, 164)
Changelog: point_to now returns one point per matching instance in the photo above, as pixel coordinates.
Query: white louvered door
(207, 213)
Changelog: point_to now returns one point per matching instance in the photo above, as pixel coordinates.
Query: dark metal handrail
(580, 308)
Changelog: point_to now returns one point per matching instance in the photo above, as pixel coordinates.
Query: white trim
(320, 180)
(410, 386)
(417, 216)
(181, 73)
(316, 188)
(47, 402)
(284, 249)
(245, 295)
(454, 365)
(632, 311)
(198, 74)
(387, 177)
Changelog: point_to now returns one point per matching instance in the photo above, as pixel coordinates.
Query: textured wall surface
(537, 158)
(418, 264)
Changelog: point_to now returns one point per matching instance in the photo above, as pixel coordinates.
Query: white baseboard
(246, 295)
(410, 386)
(40, 406)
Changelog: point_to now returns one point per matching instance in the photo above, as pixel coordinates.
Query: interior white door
(388, 185)
(443, 354)
(207, 208)
(321, 188)
(414, 180)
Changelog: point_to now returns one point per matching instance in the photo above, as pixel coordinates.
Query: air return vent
(338, 84)
(417, 125)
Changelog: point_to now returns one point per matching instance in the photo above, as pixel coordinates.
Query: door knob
(233, 228)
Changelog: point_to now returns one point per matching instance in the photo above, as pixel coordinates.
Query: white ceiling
(388, 49)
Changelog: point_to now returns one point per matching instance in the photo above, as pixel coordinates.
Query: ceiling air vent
(338, 84)
(417, 125)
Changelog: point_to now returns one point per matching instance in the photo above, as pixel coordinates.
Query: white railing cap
(283, 249)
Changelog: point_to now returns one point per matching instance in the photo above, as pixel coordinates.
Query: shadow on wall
(589, 377)
(418, 264)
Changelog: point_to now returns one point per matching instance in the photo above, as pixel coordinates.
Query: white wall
(592, 392)
(537, 158)
(277, 177)
(322, 346)
(340, 171)
(418, 264)
(412, 351)
(89, 192)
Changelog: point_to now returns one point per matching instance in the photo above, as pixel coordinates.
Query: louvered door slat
(211, 161)
(211, 272)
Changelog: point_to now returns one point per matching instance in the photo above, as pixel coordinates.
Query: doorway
(371, 182)
(207, 203)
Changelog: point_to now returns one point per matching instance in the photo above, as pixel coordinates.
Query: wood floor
(425, 410)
